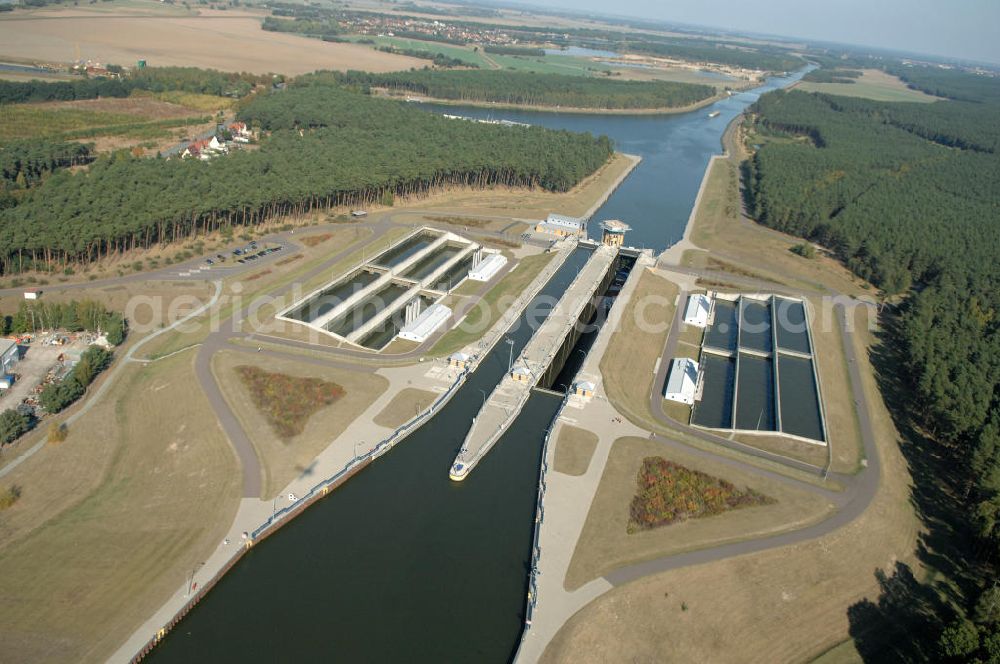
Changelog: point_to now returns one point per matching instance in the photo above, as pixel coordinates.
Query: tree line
(515, 50)
(303, 26)
(438, 59)
(525, 88)
(824, 75)
(717, 53)
(153, 79)
(327, 147)
(906, 195)
(73, 316)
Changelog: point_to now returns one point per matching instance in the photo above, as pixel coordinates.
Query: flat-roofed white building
(698, 308)
(488, 267)
(682, 383)
(424, 325)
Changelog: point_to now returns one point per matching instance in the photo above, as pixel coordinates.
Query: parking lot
(248, 253)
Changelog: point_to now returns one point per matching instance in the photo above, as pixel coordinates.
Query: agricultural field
(133, 118)
(464, 53)
(873, 84)
(213, 39)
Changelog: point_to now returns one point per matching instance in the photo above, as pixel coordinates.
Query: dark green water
(755, 325)
(333, 296)
(791, 325)
(799, 398)
(367, 309)
(755, 393)
(716, 406)
(722, 332)
(404, 250)
(426, 266)
(401, 564)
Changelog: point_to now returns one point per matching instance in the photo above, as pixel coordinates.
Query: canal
(401, 564)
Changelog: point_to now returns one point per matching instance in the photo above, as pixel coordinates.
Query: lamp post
(484, 397)
(510, 355)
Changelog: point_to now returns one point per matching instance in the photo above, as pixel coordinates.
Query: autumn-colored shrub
(313, 240)
(668, 493)
(9, 496)
(287, 401)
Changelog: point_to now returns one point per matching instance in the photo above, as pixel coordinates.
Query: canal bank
(402, 546)
(351, 539)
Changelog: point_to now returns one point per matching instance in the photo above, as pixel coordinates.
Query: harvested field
(229, 41)
(75, 120)
(873, 84)
(141, 106)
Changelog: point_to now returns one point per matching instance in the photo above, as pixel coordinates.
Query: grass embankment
(489, 309)
(287, 402)
(284, 459)
(574, 450)
(111, 522)
(606, 542)
(404, 406)
(628, 364)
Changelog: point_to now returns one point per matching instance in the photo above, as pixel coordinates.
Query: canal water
(656, 199)
(400, 563)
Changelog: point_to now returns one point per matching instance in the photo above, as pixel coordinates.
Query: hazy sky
(956, 28)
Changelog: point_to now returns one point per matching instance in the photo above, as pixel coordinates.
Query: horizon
(969, 35)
